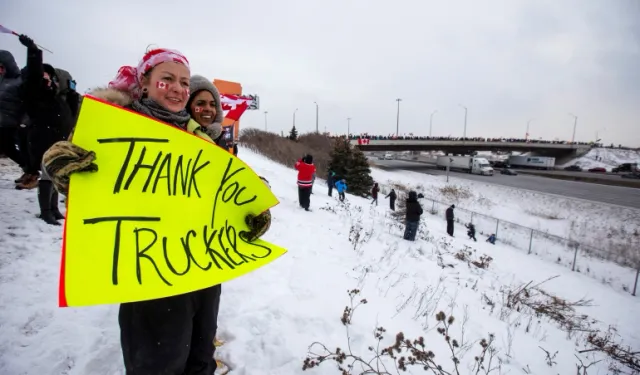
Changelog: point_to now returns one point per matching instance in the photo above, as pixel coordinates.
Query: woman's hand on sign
(258, 225)
(65, 158)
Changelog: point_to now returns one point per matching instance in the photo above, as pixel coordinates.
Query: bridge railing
(585, 259)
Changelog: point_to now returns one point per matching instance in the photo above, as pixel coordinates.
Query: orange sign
(234, 88)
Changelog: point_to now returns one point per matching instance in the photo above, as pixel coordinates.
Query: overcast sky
(507, 61)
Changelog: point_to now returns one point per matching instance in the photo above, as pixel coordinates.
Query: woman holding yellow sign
(172, 335)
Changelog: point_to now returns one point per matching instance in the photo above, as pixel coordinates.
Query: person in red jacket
(374, 193)
(306, 170)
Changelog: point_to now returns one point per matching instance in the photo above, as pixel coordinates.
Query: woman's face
(168, 85)
(203, 108)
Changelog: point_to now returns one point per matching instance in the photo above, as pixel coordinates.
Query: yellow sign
(164, 214)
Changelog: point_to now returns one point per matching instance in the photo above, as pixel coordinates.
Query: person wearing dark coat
(11, 108)
(51, 119)
(392, 199)
(450, 217)
(374, 193)
(331, 181)
(471, 232)
(412, 218)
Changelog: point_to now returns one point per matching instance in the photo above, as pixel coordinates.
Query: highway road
(621, 196)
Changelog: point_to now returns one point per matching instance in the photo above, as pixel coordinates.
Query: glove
(65, 158)
(258, 226)
(27, 42)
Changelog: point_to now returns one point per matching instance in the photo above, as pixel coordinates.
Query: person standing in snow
(341, 186)
(412, 218)
(11, 110)
(450, 217)
(52, 111)
(172, 335)
(392, 199)
(471, 232)
(374, 193)
(306, 170)
(491, 239)
(331, 181)
(205, 108)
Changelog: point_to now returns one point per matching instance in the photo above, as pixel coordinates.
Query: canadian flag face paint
(197, 109)
(161, 85)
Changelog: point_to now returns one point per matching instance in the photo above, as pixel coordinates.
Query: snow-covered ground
(271, 316)
(607, 158)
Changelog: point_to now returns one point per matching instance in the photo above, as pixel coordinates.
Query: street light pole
(317, 108)
(528, 123)
(464, 136)
(265, 120)
(431, 122)
(348, 127)
(294, 117)
(398, 118)
(575, 123)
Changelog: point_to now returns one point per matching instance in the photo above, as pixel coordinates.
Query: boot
(21, 178)
(54, 205)
(29, 182)
(45, 190)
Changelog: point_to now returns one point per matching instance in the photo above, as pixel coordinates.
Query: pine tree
(359, 178)
(293, 134)
(351, 164)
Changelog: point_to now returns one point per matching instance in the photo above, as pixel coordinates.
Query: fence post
(433, 206)
(530, 241)
(575, 256)
(497, 224)
(635, 285)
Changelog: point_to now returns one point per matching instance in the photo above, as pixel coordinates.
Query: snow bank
(607, 158)
(271, 316)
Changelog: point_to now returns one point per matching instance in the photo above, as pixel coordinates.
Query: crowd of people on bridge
(409, 137)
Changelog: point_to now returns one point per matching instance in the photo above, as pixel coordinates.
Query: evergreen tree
(359, 178)
(352, 165)
(293, 134)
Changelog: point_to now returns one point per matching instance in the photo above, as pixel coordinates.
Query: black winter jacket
(449, 214)
(11, 107)
(414, 210)
(49, 113)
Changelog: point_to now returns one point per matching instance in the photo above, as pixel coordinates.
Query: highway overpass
(560, 151)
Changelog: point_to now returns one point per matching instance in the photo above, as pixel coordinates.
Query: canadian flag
(234, 106)
(363, 141)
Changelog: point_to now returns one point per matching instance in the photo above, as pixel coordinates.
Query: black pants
(330, 189)
(472, 236)
(341, 196)
(304, 196)
(171, 336)
(410, 230)
(392, 204)
(8, 138)
(450, 227)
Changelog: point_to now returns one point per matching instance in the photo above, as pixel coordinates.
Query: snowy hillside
(271, 316)
(607, 158)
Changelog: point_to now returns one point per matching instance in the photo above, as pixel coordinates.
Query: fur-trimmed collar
(112, 96)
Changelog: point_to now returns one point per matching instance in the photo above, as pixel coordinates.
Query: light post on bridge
(527, 134)
(575, 123)
(294, 117)
(398, 118)
(316, 116)
(265, 120)
(431, 122)
(348, 127)
(465, 123)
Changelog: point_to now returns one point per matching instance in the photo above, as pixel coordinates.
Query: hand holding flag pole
(4, 30)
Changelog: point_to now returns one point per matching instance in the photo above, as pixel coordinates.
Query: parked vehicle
(537, 162)
(626, 167)
(500, 164)
(574, 167)
(469, 164)
(388, 156)
(598, 170)
(509, 172)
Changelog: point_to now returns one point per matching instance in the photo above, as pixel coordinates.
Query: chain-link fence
(572, 254)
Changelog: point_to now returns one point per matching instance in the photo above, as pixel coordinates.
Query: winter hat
(309, 159)
(197, 84)
(128, 78)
